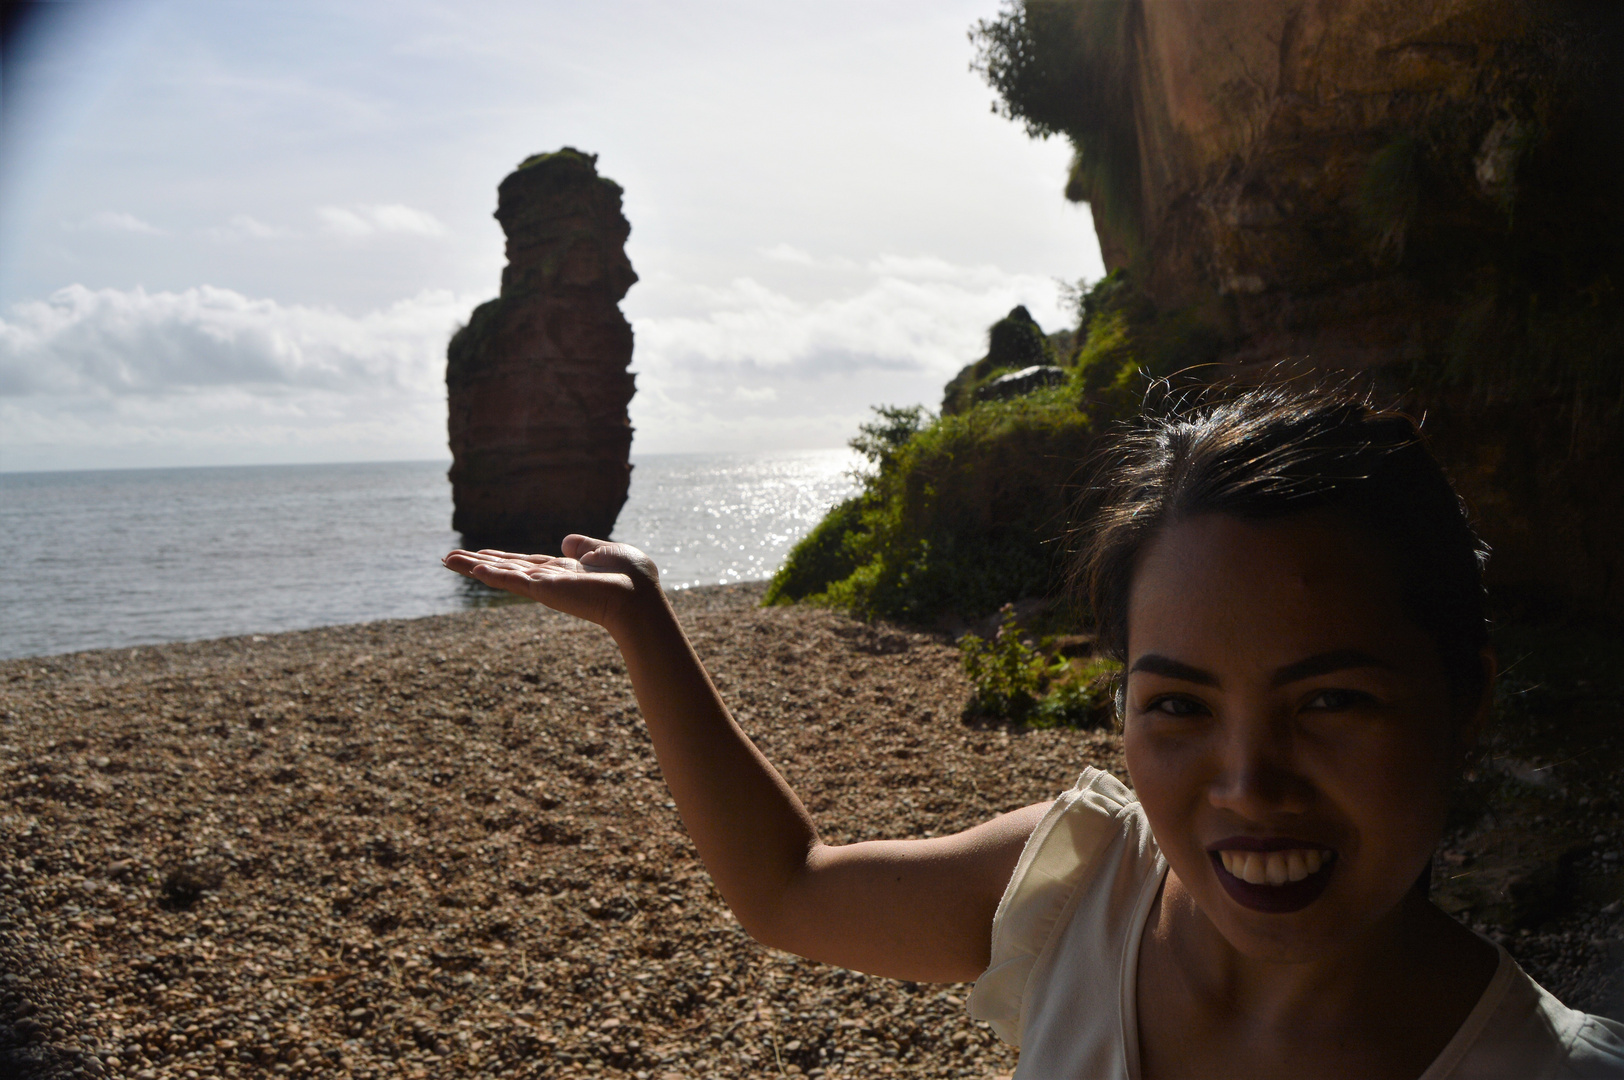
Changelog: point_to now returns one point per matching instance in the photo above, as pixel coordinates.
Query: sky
(240, 232)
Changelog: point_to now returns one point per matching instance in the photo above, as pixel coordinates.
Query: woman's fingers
(529, 571)
(532, 576)
(464, 561)
(460, 562)
(492, 553)
(581, 553)
(603, 556)
(521, 579)
(594, 590)
(575, 545)
(516, 555)
(504, 575)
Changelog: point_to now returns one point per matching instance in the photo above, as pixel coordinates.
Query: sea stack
(537, 381)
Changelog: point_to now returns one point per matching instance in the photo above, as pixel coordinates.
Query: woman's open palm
(594, 580)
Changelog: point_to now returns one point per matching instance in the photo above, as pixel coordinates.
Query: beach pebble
(364, 851)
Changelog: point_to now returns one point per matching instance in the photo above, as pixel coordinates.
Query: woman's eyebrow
(1312, 667)
(1157, 664)
(1325, 664)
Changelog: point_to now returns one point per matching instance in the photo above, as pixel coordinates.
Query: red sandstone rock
(1423, 190)
(1400, 184)
(537, 380)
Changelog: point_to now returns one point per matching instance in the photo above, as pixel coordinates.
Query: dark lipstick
(1272, 899)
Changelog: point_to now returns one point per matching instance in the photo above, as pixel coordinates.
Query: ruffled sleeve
(1519, 1030)
(1063, 855)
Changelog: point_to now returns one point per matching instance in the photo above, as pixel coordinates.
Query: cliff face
(1425, 190)
(537, 380)
(1317, 160)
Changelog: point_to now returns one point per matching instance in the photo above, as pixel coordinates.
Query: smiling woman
(1303, 702)
(1294, 589)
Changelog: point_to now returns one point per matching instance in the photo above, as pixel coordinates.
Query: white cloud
(112, 342)
(219, 426)
(933, 320)
(788, 253)
(345, 222)
(241, 227)
(929, 268)
(91, 378)
(370, 220)
(752, 367)
(115, 221)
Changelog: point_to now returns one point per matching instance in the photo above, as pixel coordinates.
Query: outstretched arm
(908, 909)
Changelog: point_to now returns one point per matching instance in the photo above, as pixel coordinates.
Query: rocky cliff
(537, 380)
(1426, 190)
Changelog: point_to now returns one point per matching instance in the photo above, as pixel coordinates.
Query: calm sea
(93, 560)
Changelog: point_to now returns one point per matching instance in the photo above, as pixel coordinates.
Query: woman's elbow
(766, 923)
(778, 917)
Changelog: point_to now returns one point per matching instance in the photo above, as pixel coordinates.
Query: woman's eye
(1336, 700)
(1176, 706)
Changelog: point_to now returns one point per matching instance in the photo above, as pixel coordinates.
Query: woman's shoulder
(1520, 1029)
(1088, 859)
(1064, 851)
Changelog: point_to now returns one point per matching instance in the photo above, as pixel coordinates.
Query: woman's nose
(1257, 775)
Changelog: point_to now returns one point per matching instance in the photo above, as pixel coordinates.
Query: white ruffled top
(1065, 951)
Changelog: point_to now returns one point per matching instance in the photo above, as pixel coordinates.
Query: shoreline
(496, 600)
(345, 544)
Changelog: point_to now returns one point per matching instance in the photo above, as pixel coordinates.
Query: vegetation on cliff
(965, 511)
(1498, 206)
(1062, 67)
(958, 515)
(1474, 196)
(1457, 237)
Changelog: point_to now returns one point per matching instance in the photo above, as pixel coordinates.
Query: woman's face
(1289, 731)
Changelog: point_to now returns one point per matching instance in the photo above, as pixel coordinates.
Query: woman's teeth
(1273, 867)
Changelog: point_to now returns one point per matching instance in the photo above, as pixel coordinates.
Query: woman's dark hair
(1273, 452)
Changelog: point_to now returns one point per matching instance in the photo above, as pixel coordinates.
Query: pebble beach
(441, 848)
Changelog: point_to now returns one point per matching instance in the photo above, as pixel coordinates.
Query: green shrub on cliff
(1060, 67)
(831, 552)
(1497, 210)
(960, 515)
(835, 548)
(1127, 338)
(965, 512)
(881, 440)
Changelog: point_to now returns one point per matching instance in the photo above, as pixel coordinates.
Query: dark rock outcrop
(1016, 341)
(537, 381)
(1025, 381)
